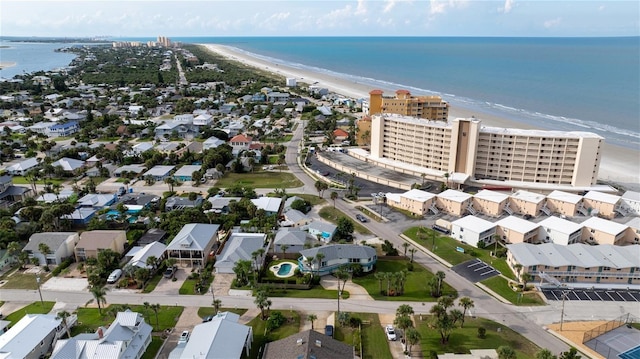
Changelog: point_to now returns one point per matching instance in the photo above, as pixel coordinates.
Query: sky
(151, 18)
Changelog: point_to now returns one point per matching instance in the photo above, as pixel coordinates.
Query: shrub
(64, 265)
(355, 322)
(275, 321)
(482, 332)
(410, 267)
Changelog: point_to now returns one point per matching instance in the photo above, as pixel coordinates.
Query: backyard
(259, 180)
(416, 286)
(261, 336)
(374, 342)
(466, 338)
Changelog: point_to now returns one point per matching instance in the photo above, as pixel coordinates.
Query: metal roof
(528, 196)
(517, 224)
(474, 224)
(338, 251)
(603, 225)
(27, 334)
(52, 239)
(579, 254)
(602, 197)
(453, 195)
(239, 246)
(194, 236)
(491, 196)
(418, 195)
(560, 225)
(564, 197)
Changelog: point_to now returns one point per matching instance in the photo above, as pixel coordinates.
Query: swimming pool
(284, 269)
(633, 353)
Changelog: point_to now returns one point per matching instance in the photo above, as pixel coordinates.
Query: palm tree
(13, 248)
(334, 196)
(518, 268)
(379, 276)
(99, 294)
(312, 318)
(44, 249)
(412, 251)
(412, 337)
(170, 181)
(217, 304)
(262, 302)
(156, 308)
(319, 258)
(404, 309)
(147, 306)
(526, 278)
(405, 245)
(440, 275)
(284, 248)
(466, 303)
(63, 315)
(545, 354)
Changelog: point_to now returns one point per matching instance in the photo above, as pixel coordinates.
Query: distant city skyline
(148, 18)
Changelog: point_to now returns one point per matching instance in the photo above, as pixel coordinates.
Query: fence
(606, 327)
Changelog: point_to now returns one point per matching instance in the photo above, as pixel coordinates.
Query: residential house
(193, 244)
(239, 246)
(31, 337)
(271, 205)
(565, 203)
(178, 203)
(10, 193)
(159, 173)
(601, 231)
(294, 238)
(340, 135)
(135, 202)
(127, 337)
(126, 169)
(69, 164)
(138, 149)
(212, 142)
(177, 128)
(221, 338)
(60, 244)
(167, 147)
(335, 256)
(63, 129)
(184, 173)
(490, 203)
(289, 201)
(517, 230)
(559, 231)
(63, 195)
(97, 201)
(21, 168)
(294, 218)
(240, 143)
(324, 231)
(140, 255)
(603, 204)
(474, 231)
(306, 345)
(453, 202)
(81, 216)
(527, 203)
(416, 201)
(631, 201)
(576, 263)
(41, 127)
(91, 242)
(221, 204)
(152, 235)
(277, 97)
(203, 120)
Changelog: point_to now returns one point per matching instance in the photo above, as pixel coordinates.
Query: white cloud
(274, 21)
(602, 7)
(508, 5)
(390, 5)
(361, 9)
(552, 23)
(442, 6)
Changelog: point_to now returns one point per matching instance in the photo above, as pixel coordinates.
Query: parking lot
(475, 270)
(607, 295)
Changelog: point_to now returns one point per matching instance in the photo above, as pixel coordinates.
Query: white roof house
(529, 196)
(579, 254)
(159, 172)
(418, 195)
(602, 197)
(631, 200)
(564, 197)
(139, 255)
(471, 230)
(212, 142)
(559, 231)
(221, 338)
(239, 246)
(68, 164)
(22, 167)
(603, 225)
(127, 337)
(517, 224)
(24, 339)
(193, 243)
(491, 196)
(454, 196)
(271, 205)
(186, 171)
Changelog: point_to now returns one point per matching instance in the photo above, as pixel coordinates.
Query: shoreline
(7, 64)
(618, 165)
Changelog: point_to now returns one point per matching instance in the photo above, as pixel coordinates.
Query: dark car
(170, 272)
(361, 218)
(328, 331)
(208, 318)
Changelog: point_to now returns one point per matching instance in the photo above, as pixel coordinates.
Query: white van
(114, 276)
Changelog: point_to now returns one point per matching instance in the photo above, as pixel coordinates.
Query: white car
(391, 333)
(184, 337)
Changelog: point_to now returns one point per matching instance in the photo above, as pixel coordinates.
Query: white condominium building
(490, 153)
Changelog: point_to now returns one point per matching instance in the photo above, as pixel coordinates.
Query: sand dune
(619, 165)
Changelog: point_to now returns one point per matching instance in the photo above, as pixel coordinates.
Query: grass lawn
(315, 292)
(260, 338)
(33, 308)
(152, 283)
(189, 286)
(153, 348)
(205, 311)
(312, 199)
(20, 280)
(89, 319)
(501, 286)
(260, 180)
(463, 339)
(332, 214)
(415, 289)
(22, 180)
(374, 341)
(445, 248)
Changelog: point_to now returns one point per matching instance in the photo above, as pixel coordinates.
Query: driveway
(188, 319)
(169, 286)
(355, 291)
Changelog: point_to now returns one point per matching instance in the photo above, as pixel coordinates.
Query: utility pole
(564, 296)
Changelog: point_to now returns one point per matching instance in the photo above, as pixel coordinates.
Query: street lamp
(39, 291)
(564, 296)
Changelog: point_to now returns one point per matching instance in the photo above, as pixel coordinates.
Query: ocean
(32, 56)
(567, 84)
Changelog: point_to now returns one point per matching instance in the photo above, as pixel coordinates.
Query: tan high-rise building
(505, 154)
(429, 107)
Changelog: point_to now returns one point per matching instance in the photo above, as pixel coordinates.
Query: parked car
(121, 191)
(170, 272)
(114, 276)
(361, 218)
(328, 331)
(208, 318)
(391, 332)
(184, 337)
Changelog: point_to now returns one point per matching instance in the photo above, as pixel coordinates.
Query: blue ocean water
(32, 57)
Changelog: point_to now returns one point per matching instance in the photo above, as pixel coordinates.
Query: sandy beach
(619, 165)
(6, 64)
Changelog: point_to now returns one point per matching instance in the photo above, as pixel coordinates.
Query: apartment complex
(428, 107)
(463, 147)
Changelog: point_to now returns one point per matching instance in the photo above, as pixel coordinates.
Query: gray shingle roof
(193, 236)
(290, 237)
(52, 239)
(313, 345)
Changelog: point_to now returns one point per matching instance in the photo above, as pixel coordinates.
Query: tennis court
(621, 342)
